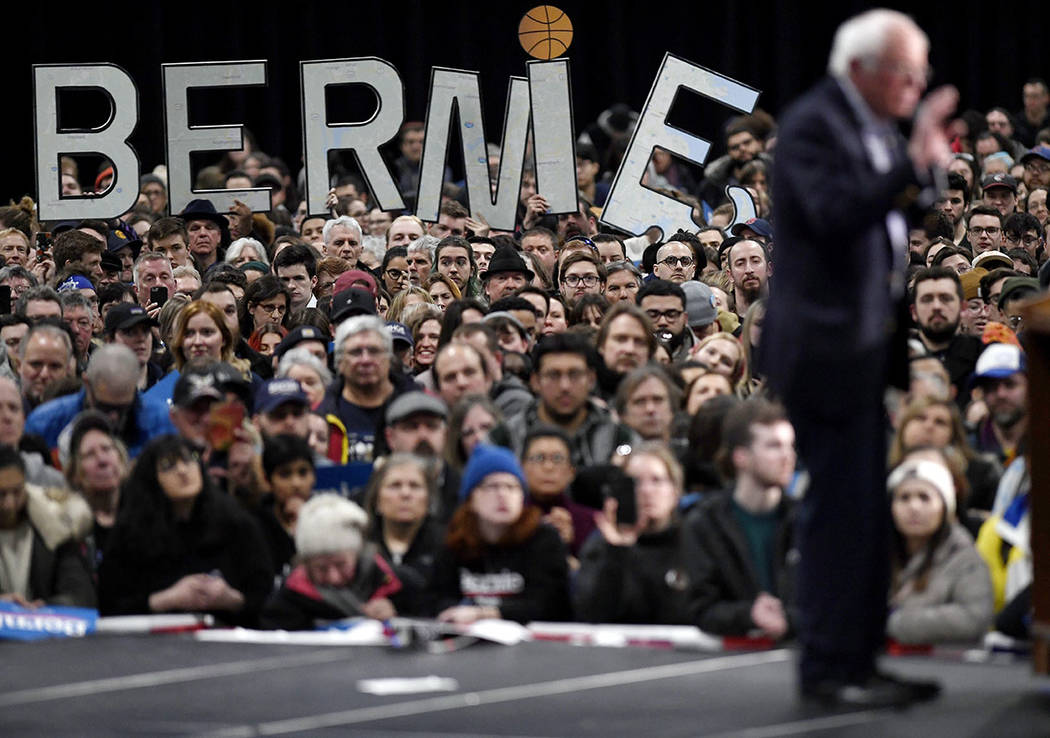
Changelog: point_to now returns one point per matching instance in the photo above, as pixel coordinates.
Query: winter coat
(592, 443)
(59, 571)
(956, 603)
(299, 603)
(723, 584)
(218, 538)
(151, 419)
(643, 583)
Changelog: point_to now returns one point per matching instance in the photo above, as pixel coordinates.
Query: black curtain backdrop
(777, 46)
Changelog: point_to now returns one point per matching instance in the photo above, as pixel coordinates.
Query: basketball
(545, 32)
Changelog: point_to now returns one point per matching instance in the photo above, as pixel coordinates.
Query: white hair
(425, 244)
(361, 324)
(866, 36)
(344, 221)
(303, 357)
(235, 249)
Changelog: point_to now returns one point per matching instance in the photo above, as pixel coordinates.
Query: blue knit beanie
(487, 460)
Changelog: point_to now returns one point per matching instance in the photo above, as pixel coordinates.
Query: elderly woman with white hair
(244, 250)
(301, 365)
(941, 590)
(338, 574)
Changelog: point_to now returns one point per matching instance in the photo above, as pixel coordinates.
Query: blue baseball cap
(276, 392)
(400, 332)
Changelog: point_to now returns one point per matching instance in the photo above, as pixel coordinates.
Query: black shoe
(922, 690)
(874, 692)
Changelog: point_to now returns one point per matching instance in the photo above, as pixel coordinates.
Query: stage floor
(173, 685)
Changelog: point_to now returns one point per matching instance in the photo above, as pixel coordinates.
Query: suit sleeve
(835, 198)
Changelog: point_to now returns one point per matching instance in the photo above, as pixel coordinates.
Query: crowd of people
(553, 423)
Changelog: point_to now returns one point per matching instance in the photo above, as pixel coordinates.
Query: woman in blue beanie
(499, 560)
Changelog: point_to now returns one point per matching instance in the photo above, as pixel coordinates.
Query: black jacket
(722, 580)
(643, 583)
(415, 568)
(528, 581)
(218, 537)
(60, 576)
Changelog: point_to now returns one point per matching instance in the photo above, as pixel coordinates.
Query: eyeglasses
(673, 261)
(574, 280)
(397, 275)
(1037, 167)
(1029, 239)
(670, 315)
(990, 230)
(277, 309)
(556, 459)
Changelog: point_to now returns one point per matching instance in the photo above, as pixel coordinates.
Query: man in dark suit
(842, 173)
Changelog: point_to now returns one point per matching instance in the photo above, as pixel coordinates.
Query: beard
(561, 418)
(423, 448)
(1008, 417)
(572, 230)
(752, 294)
(942, 333)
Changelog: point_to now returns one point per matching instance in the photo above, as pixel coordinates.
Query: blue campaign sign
(26, 624)
(342, 479)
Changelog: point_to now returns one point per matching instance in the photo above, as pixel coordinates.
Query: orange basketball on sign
(545, 32)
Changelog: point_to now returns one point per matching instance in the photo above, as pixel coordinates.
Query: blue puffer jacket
(50, 419)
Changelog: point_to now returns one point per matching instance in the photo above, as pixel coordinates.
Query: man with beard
(748, 268)
(418, 423)
(109, 387)
(563, 379)
(1002, 374)
(936, 302)
(664, 302)
(580, 223)
(739, 546)
(359, 397)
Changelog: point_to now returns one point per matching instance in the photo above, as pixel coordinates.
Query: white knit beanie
(934, 474)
